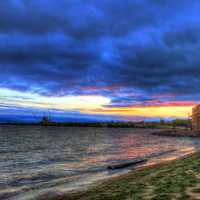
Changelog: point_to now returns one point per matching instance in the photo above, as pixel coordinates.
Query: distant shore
(178, 133)
(178, 179)
(176, 124)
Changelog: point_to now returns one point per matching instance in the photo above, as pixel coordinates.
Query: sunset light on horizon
(95, 104)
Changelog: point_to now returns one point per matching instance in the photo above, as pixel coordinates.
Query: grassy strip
(179, 179)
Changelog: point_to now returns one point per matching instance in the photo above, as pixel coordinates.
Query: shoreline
(177, 133)
(119, 179)
(139, 125)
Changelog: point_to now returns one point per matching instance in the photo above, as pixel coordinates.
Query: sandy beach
(174, 178)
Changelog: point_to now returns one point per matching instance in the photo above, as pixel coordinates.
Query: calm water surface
(37, 160)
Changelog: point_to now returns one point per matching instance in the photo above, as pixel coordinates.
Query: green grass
(176, 180)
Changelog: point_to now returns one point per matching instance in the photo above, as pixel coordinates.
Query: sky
(99, 59)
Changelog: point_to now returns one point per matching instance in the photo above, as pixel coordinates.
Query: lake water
(39, 160)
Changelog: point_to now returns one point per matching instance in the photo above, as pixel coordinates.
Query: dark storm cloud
(57, 48)
(77, 18)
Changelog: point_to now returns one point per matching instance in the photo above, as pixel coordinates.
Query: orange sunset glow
(149, 111)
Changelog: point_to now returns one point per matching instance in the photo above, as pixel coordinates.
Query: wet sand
(170, 179)
(151, 164)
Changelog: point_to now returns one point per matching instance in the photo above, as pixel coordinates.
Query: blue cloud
(68, 47)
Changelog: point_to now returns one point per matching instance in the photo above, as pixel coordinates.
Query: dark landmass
(178, 133)
(175, 124)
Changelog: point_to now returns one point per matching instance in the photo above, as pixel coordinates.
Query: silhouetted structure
(196, 118)
(45, 121)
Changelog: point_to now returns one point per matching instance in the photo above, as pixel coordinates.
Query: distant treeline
(177, 123)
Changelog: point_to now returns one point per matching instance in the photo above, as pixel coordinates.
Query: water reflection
(36, 159)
